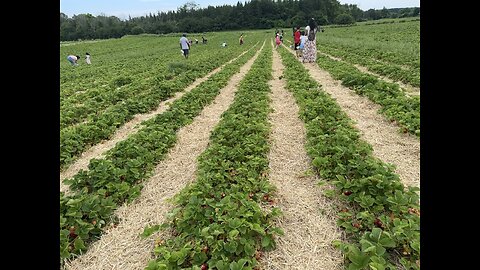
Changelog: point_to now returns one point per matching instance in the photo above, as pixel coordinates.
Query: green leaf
(370, 248)
(376, 234)
(415, 244)
(222, 265)
(266, 241)
(231, 246)
(232, 234)
(277, 230)
(199, 258)
(79, 244)
(175, 256)
(204, 231)
(63, 221)
(387, 242)
(249, 249)
(153, 265)
(149, 231)
(242, 262)
(217, 232)
(238, 265)
(358, 258)
(376, 266)
(64, 253)
(234, 223)
(256, 227)
(380, 250)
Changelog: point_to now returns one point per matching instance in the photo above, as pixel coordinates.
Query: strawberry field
(189, 185)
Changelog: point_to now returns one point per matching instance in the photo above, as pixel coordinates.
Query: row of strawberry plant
(397, 43)
(380, 216)
(94, 101)
(109, 59)
(120, 57)
(74, 140)
(409, 74)
(395, 72)
(130, 81)
(396, 106)
(117, 178)
(218, 222)
(143, 54)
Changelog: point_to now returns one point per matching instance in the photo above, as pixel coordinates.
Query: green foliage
(116, 179)
(137, 30)
(218, 221)
(395, 104)
(381, 218)
(96, 100)
(344, 19)
(121, 81)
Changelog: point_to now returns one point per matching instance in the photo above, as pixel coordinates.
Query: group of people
(73, 59)
(305, 42)
(185, 43)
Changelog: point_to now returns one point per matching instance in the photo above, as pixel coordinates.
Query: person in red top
(296, 38)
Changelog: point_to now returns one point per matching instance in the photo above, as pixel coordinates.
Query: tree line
(255, 14)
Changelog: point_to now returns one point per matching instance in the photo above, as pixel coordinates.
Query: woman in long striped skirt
(310, 50)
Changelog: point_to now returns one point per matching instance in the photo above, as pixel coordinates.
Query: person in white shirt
(303, 40)
(184, 45)
(87, 58)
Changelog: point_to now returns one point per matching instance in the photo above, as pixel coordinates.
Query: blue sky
(123, 8)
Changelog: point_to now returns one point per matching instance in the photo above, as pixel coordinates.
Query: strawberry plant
(382, 218)
(396, 106)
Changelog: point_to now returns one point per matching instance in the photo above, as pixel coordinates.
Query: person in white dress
(87, 58)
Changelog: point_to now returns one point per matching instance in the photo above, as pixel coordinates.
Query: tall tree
(253, 14)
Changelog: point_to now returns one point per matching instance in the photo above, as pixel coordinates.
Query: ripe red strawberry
(204, 267)
(72, 232)
(348, 192)
(378, 223)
